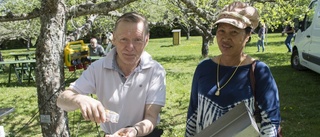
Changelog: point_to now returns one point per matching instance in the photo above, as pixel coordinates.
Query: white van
(306, 49)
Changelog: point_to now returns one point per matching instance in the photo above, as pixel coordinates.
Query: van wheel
(295, 62)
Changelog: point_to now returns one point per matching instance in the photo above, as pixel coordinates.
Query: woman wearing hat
(222, 82)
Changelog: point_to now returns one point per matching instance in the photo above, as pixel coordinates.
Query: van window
(310, 15)
(317, 23)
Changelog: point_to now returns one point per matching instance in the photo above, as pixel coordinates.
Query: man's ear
(113, 38)
(147, 37)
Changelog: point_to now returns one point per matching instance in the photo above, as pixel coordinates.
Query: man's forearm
(144, 127)
(66, 101)
(147, 125)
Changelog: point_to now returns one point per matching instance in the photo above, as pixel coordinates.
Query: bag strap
(256, 113)
(252, 79)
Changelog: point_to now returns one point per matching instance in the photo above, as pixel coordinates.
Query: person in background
(290, 34)
(222, 82)
(109, 42)
(95, 48)
(1, 60)
(261, 37)
(127, 81)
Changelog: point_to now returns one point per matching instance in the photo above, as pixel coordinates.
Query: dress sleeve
(267, 97)
(193, 106)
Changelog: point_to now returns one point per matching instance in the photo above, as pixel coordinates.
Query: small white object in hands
(112, 116)
(2, 133)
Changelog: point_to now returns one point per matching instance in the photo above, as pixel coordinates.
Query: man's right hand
(91, 108)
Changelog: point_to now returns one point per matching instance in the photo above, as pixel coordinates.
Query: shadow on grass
(276, 43)
(14, 83)
(166, 46)
(272, 58)
(25, 114)
(299, 94)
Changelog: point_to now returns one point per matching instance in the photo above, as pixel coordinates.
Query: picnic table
(94, 58)
(26, 54)
(21, 68)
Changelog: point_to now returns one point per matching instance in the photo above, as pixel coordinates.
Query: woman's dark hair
(248, 30)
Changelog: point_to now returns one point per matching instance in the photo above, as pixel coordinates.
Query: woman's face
(231, 40)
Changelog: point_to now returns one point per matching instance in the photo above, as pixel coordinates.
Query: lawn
(298, 91)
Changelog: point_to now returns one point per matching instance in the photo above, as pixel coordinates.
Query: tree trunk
(188, 33)
(49, 67)
(205, 45)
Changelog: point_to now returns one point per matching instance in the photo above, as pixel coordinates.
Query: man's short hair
(133, 17)
(94, 40)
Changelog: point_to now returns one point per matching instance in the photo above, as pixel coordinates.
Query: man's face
(130, 40)
(93, 44)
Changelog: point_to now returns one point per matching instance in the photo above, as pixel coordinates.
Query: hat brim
(234, 22)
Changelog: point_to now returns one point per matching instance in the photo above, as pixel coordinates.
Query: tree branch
(83, 30)
(11, 17)
(100, 8)
(206, 15)
(74, 11)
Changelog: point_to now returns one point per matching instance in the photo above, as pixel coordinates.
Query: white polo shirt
(146, 85)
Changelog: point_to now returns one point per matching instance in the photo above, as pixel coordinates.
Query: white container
(2, 133)
(112, 116)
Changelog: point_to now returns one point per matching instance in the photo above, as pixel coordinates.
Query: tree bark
(188, 34)
(50, 67)
(206, 33)
(49, 59)
(205, 45)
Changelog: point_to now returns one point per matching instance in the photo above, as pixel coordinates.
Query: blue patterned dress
(205, 107)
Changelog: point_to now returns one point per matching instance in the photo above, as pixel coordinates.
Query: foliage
(160, 31)
(277, 14)
(103, 23)
(298, 90)
(274, 14)
(21, 29)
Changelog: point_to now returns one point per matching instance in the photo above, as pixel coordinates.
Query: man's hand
(91, 109)
(125, 132)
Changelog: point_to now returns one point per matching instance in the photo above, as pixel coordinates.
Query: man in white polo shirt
(127, 81)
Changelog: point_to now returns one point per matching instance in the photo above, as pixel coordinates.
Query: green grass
(298, 90)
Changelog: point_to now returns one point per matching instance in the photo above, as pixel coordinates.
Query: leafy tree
(275, 13)
(279, 13)
(53, 16)
(25, 29)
